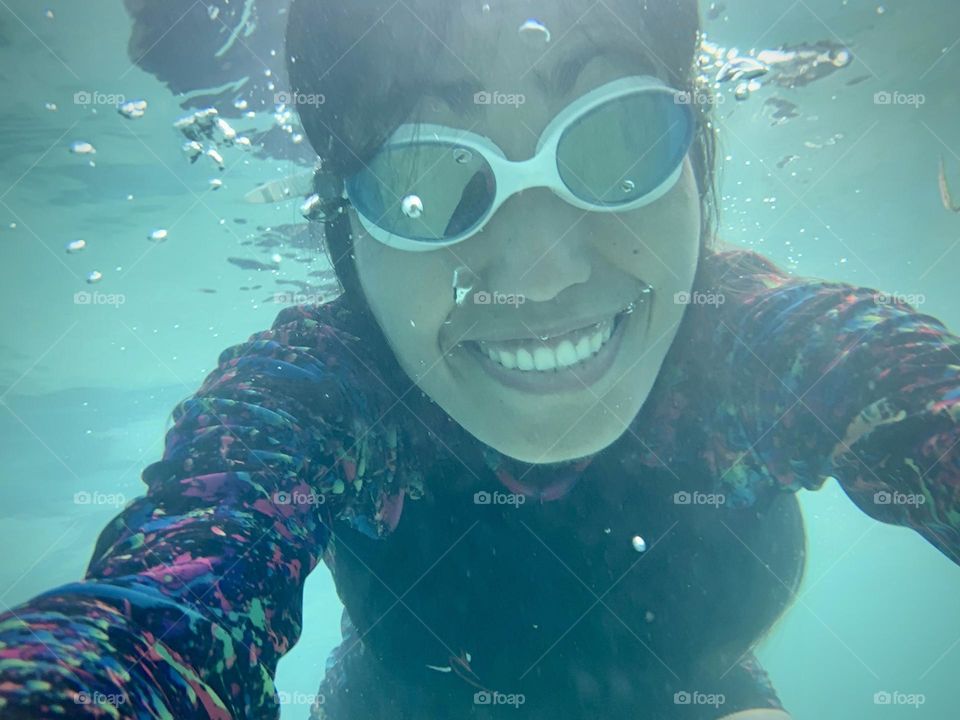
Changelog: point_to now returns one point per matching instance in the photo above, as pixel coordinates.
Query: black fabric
(512, 586)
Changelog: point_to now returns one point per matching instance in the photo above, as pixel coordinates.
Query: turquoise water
(87, 388)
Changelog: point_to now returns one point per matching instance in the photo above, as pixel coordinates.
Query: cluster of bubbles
(788, 67)
(206, 126)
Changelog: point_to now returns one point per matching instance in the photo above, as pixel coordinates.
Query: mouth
(568, 361)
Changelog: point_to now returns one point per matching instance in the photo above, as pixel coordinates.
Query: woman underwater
(549, 439)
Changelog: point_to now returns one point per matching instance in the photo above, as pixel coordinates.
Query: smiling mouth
(549, 354)
(563, 360)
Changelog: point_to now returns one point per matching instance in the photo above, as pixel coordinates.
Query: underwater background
(832, 171)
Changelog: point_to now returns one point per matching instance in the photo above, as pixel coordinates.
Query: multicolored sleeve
(194, 591)
(839, 381)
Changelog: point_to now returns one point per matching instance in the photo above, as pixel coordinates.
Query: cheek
(409, 294)
(659, 244)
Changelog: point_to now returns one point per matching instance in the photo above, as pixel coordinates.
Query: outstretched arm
(845, 382)
(195, 590)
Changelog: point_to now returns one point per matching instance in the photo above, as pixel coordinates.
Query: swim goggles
(617, 148)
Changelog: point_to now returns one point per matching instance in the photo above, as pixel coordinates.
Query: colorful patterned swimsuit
(308, 444)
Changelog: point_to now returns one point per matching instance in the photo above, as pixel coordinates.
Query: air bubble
(412, 206)
(534, 30)
(462, 156)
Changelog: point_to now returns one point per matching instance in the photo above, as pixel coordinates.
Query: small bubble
(628, 186)
(158, 235)
(462, 156)
(75, 246)
(412, 206)
(82, 148)
(535, 30)
(94, 276)
(639, 544)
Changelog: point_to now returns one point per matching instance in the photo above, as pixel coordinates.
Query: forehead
(485, 40)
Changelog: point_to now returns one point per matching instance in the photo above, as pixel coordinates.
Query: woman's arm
(194, 591)
(845, 382)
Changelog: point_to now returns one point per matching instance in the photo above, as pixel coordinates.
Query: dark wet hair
(367, 60)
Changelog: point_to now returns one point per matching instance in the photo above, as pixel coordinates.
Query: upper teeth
(552, 353)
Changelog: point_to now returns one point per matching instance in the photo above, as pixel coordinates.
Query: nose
(537, 245)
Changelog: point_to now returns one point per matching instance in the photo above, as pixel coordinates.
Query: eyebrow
(556, 82)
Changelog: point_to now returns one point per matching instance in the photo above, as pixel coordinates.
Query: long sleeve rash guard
(194, 591)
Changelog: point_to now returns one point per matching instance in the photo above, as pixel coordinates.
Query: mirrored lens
(424, 191)
(626, 148)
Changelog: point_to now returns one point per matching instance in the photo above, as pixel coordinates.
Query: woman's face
(572, 268)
